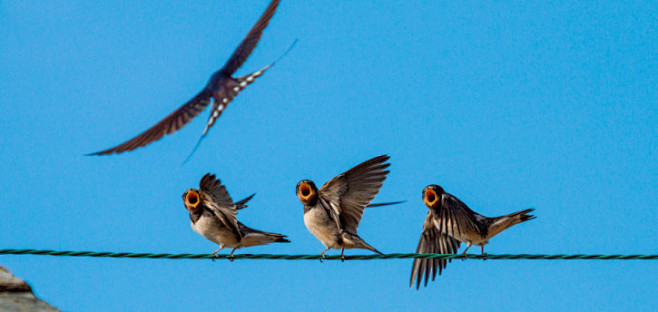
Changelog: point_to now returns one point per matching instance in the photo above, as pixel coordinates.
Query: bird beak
(430, 197)
(192, 199)
(305, 193)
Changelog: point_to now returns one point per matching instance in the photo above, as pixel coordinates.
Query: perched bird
(332, 213)
(449, 223)
(213, 216)
(221, 88)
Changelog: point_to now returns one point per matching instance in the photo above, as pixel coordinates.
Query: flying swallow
(449, 223)
(222, 88)
(213, 216)
(333, 213)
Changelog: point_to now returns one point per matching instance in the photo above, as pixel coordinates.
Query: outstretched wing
(250, 41)
(431, 241)
(350, 192)
(169, 124)
(216, 198)
(455, 218)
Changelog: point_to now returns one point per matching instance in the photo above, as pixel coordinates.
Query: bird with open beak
(449, 223)
(213, 216)
(333, 212)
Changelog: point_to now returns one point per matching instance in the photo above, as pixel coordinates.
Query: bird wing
(455, 218)
(431, 241)
(223, 97)
(214, 196)
(350, 192)
(250, 41)
(241, 204)
(386, 204)
(169, 124)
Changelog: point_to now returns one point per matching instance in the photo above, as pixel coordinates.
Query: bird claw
(322, 254)
(342, 258)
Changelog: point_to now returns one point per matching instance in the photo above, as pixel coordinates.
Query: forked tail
(253, 237)
(502, 223)
(360, 243)
(246, 80)
(242, 82)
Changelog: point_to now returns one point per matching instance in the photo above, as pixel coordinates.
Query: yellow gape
(192, 198)
(430, 197)
(305, 192)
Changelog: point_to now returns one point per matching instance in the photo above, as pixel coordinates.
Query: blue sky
(506, 105)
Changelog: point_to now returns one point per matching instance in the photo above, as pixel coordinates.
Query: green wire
(317, 257)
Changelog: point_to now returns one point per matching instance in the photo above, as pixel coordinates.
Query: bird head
(432, 195)
(191, 200)
(307, 192)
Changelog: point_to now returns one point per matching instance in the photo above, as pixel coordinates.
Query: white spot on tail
(250, 78)
(236, 89)
(215, 114)
(225, 100)
(220, 108)
(243, 84)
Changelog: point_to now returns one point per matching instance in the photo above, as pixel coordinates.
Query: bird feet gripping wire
(215, 253)
(322, 254)
(465, 250)
(231, 257)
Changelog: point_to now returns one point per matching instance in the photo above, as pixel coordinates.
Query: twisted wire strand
(144, 255)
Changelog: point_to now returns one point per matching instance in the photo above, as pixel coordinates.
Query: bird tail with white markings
(244, 81)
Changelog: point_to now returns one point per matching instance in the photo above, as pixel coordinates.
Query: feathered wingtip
(241, 204)
(386, 204)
